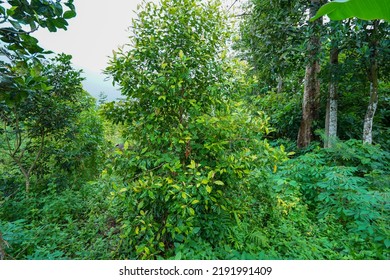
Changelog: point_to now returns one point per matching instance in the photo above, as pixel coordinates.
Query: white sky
(100, 27)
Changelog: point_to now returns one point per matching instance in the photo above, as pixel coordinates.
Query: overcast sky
(100, 27)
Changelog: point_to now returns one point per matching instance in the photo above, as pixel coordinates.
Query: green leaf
(178, 256)
(57, 9)
(69, 14)
(29, 39)
(11, 11)
(15, 24)
(220, 183)
(51, 26)
(140, 205)
(192, 165)
(151, 195)
(363, 9)
(191, 211)
(60, 23)
(181, 54)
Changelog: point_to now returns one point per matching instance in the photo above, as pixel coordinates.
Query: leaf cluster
(347, 185)
(20, 18)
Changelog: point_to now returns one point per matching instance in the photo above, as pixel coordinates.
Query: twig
(9, 30)
(243, 14)
(232, 5)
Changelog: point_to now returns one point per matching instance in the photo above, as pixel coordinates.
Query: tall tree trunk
(331, 107)
(373, 77)
(280, 84)
(372, 105)
(311, 95)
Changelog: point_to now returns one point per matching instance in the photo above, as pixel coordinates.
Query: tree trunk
(369, 117)
(331, 107)
(3, 245)
(280, 84)
(373, 77)
(311, 95)
(309, 105)
(18, 159)
(27, 184)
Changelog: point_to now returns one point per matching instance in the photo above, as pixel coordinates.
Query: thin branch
(232, 5)
(7, 140)
(10, 30)
(243, 14)
(40, 150)
(6, 54)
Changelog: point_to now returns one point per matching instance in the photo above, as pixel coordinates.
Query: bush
(348, 185)
(68, 224)
(164, 203)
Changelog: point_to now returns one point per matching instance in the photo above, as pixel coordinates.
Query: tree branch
(10, 30)
(234, 3)
(38, 153)
(243, 14)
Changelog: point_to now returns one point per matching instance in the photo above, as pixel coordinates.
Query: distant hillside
(95, 84)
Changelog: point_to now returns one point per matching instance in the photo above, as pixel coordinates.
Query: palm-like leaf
(363, 9)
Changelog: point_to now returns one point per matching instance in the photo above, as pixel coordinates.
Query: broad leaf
(363, 9)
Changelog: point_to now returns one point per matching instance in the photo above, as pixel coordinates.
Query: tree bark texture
(331, 107)
(369, 117)
(373, 77)
(311, 94)
(280, 84)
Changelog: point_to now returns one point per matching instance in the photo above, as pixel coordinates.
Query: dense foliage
(20, 18)
(198, 160)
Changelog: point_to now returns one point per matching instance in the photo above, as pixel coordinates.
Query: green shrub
(348, 185)
(68, 224)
